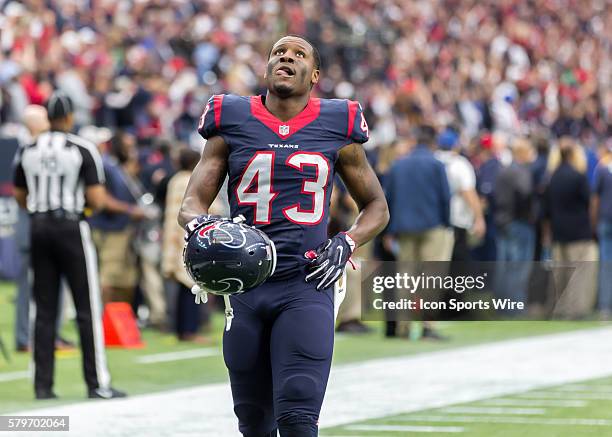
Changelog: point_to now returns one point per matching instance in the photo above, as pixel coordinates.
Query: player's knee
(299, 388)
(254, 420)
(249, 413)
(298, 406)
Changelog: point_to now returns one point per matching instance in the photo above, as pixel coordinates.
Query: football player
(281, 152)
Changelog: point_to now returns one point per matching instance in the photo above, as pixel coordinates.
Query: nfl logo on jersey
(283, 129)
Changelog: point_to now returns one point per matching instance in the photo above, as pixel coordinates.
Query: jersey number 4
(259, 174)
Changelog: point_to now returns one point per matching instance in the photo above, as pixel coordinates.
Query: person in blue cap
(466, 217)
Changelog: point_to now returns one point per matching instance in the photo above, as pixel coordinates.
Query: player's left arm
(364, 187)
(330, 258)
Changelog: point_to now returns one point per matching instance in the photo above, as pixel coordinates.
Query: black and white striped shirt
(55, 171)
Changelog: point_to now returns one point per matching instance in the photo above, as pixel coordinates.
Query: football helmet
(226, 257)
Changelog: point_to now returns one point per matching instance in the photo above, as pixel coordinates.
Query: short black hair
(315, 51)
(59, 106)
(425, 134)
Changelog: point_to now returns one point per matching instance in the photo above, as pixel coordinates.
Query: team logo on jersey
(283, 129)
(284, 146)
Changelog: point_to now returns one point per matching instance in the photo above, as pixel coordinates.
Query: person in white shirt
(466, 215)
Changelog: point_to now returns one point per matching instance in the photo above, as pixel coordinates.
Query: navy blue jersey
(281, 173)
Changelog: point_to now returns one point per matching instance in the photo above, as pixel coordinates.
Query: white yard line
(14, 376)
(535, 403)
(407, 428)
(506, 420)
(495, 410)
(565, 395)
(591, 387)
(177, 356)
(366, 390)
(584, 389)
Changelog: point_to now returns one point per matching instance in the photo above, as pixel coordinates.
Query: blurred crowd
(517, 90)
(507, 65)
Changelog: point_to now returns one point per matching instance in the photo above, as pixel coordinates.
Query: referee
(54, 178)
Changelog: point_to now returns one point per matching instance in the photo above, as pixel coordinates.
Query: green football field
(571, 410)
(165, 364)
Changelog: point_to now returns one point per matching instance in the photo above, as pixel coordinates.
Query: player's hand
(329, 260)
(206, 219)
(201, 296)
(199, 222)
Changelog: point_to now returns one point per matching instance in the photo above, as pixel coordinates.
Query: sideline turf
(473, 423)
(138, 378)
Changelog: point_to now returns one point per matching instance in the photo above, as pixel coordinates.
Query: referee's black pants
(63, 247)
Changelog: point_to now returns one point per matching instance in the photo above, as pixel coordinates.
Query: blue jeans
(605, 266)
(515, 248)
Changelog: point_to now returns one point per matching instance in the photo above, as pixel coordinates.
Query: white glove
(201, 296)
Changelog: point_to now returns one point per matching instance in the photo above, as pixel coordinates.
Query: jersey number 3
(259, 174)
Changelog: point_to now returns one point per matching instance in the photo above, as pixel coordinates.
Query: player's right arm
(206, 180)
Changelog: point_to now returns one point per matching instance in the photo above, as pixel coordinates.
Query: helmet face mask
(227, 258)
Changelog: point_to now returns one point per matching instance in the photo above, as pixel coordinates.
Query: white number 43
(259, 173)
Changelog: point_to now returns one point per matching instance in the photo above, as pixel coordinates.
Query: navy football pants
(278, 353)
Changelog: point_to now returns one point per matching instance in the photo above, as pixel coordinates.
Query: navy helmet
(227, 258)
